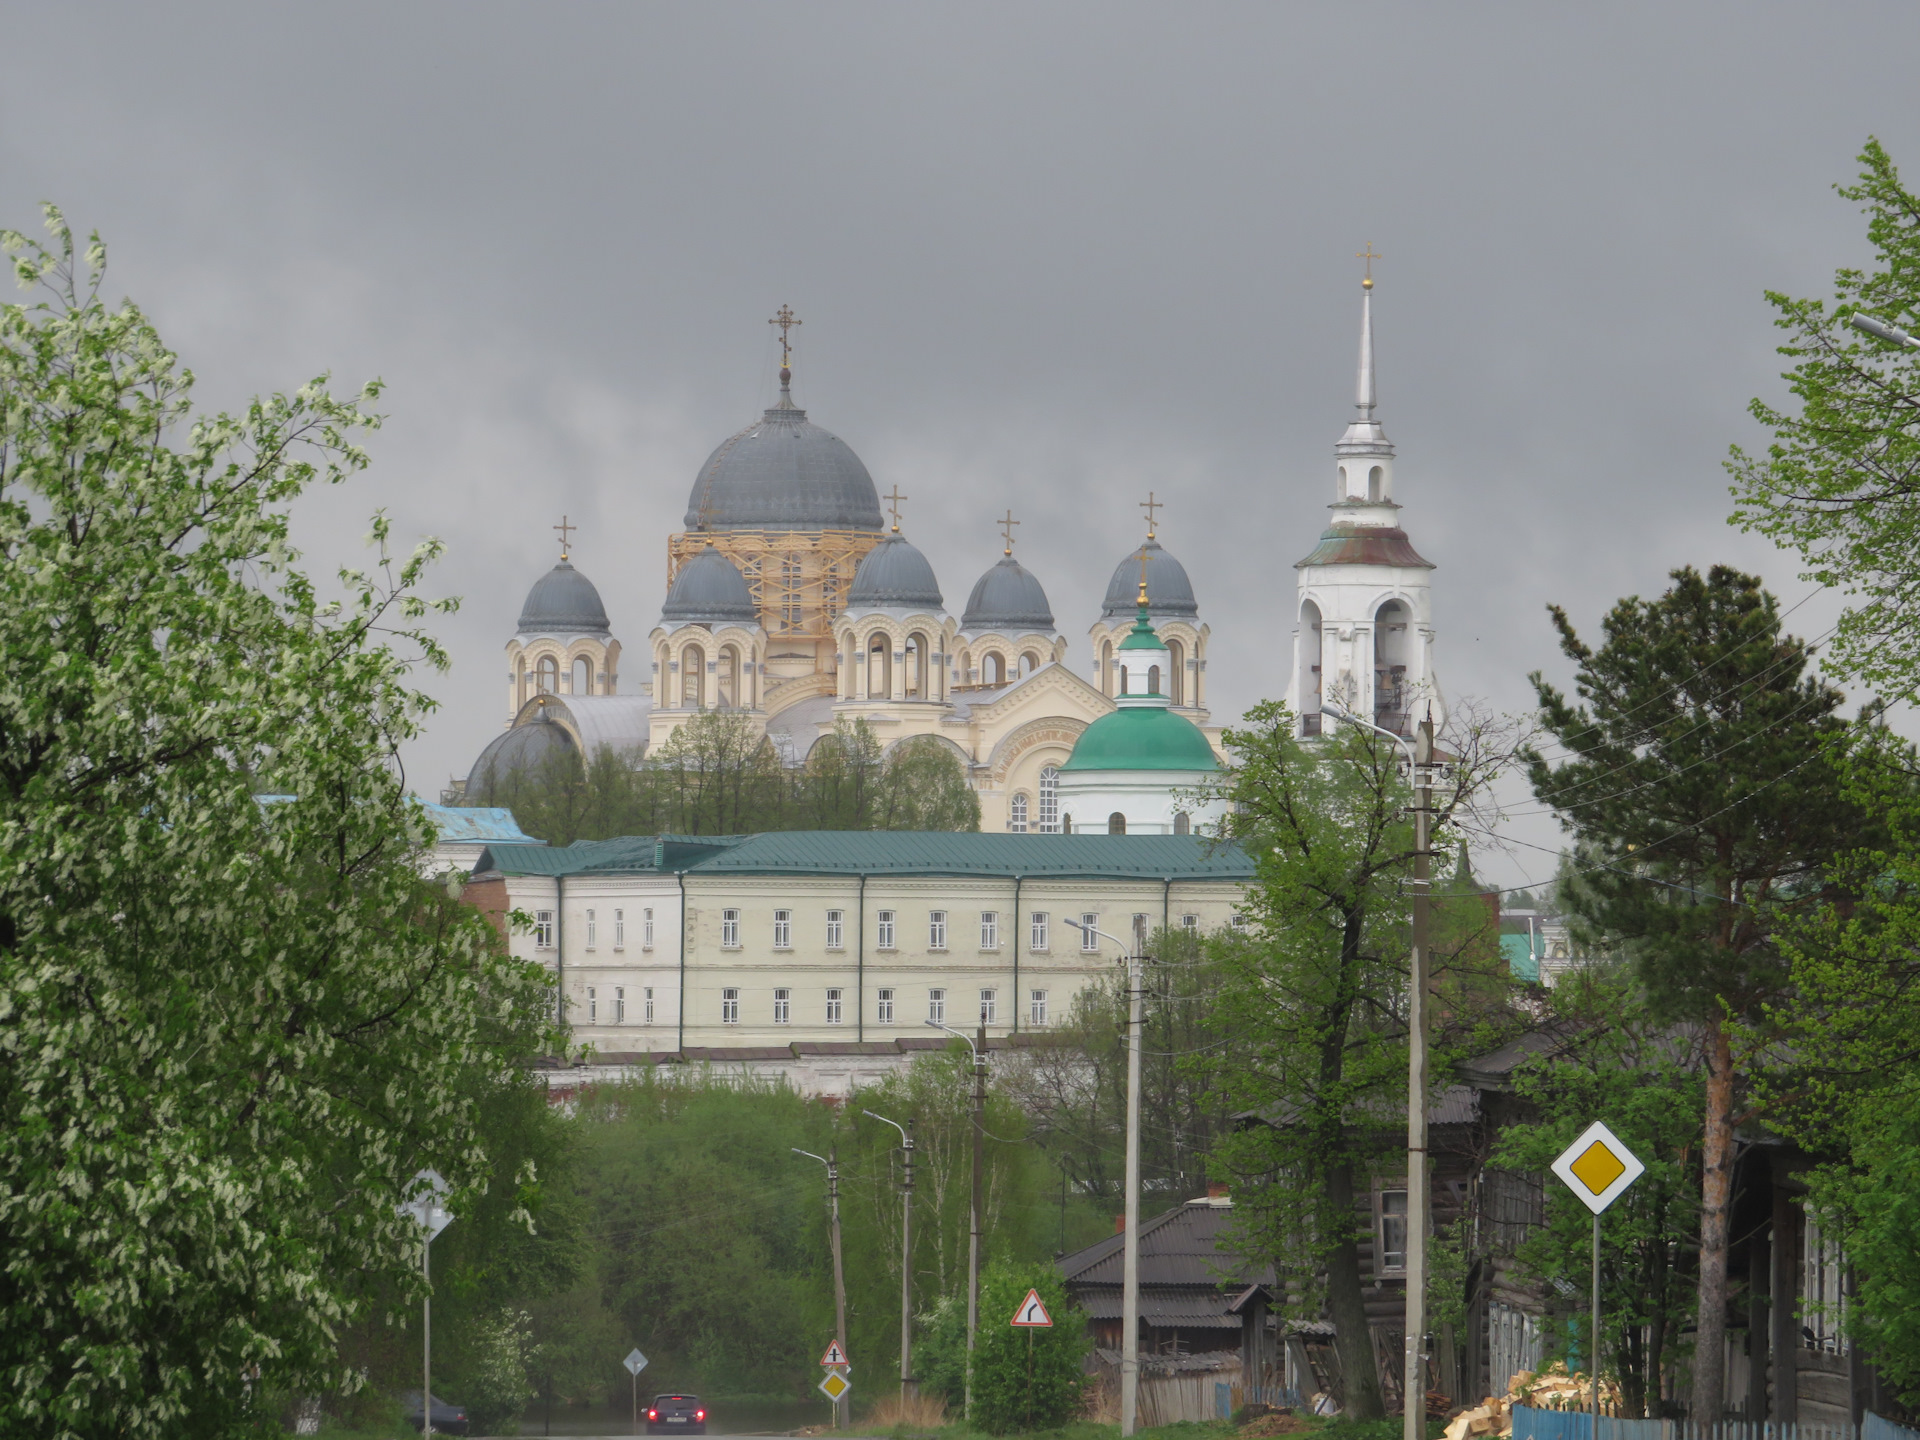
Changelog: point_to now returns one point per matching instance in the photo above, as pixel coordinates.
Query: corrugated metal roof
(1179, 1248)
(626, 855)
(484, 823)
(925, 852)
(1188, 1307)
(1455, 1105)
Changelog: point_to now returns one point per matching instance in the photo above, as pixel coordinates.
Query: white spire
(1364, 435)
(1363, 391)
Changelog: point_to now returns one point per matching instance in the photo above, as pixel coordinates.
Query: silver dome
(1007, 597)
(709, 590)
(563, 601)
(894, 574)
(524, 752)
(784, 473)
(1169, 592)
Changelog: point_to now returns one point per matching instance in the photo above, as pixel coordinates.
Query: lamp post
(831, 1161)
(1419, 1193)
(973, 1240)
(1880, 330)
(427, 1209)
(1130, 1239)
(906, 1253)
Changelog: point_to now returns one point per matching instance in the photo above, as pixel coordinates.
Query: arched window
(1116, 824)
(1392, 648)
(879, 669)
(729, 686)
(583, 676)
(1029, 663)
(993, 669)
(1309, 652)
(693, 677)
(1153, 680)
(1182, 825)
(547, 676)
(1066, 824)
(1177, 680)
(520, 683)
(1106, 667)
(1017, 814)
(916, 676)
(1125, 678)
(1050, 800)
(1375, 478)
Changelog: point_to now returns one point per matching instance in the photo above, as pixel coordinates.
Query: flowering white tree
(229, 1029)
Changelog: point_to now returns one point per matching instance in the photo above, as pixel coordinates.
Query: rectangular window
(1239, 922)
(1139, 934)
(989, 929)
(833, 1007)
(619, 929)
(937, 1006)
(884, 1002)
(936, 929)
(1037, 930)
(619, 1004)
(1088, 924)
(836, 929)
(987, 998)
(729, 1006)
(782, 1006)
(1823, 1295)
(1393, 1231)
(884, 919)
(543, 929)
(1190, 924)
(729, 929)
(646, 1000)
(593, 930)
(1037, 1007)
(783, 929)
(646, 928)
(593, 1006)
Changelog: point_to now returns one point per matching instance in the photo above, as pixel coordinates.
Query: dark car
(447, 1419)
(676, 1415)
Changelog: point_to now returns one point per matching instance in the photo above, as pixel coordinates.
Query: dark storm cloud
(1047, 257)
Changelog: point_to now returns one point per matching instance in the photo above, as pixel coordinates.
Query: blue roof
(479, 823)
(890, 852)
(1523, 960)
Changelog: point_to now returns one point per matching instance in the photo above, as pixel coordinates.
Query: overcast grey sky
(1047, 256)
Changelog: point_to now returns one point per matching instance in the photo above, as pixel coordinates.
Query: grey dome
(894, 574)
(1007, 597)
(784, 473)
(563, 601)
(710, 590)
(1169, 592)
(518, 754)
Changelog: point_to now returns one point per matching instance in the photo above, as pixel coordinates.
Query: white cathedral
(791, 600)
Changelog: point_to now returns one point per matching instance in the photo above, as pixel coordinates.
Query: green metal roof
(625, 855)
(1142, 636)
(939, 852)
(1144, 738)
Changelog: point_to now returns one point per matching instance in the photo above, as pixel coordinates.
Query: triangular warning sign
(835, 1355)
(1032, 1314)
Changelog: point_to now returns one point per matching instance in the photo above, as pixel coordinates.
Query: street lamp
(428, 1211)
(1419, 1195)
(831, 1161)
(906, 1253)
(1130, 1240)
(973, 1240)
(1880, 330)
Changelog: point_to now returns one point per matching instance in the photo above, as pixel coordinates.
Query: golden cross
(1151, 505)
(1006, 528)
(785, 320)
(893, 504)
(1368, 256)
(565, 530)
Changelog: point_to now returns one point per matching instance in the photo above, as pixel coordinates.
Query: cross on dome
(1369, 256)
(893, 503)
(786, 320)
(1151, 506)
(1006, 524)
(565, 530)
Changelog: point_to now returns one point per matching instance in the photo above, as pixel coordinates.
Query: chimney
(1220, 1192)
(1119, 1224)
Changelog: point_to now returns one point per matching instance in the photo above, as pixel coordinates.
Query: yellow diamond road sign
(1598, 1168)
(835, 1385)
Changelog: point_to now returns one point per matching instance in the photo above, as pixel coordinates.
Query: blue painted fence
(1531, 1424)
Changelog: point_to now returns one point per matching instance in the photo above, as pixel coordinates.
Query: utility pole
(832, 1161)
(906, 1255)
(1419, 1192)
(1130, 1244)
(979, 1202)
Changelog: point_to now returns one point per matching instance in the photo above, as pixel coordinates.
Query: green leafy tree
(231, 1029)
(1026, 1379)
(498, 1381)
(1644, 1079)
(1840, 482)
(1315, 991)
(1702, 779)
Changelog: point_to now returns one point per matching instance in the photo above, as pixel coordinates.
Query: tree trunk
(1716, 1197)
(1358, 1372)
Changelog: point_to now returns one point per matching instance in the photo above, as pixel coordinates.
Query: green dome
(1142, 739)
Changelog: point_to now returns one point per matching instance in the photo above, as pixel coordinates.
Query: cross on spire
(1369, 256)
(786, 321)
(1006, 524)
(893, 503)
(1152, 506)
(565, 530)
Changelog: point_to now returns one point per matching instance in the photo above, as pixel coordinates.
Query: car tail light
(699, 1414)
(653, 1414)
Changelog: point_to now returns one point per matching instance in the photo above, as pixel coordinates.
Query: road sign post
(1031, 1316)
(635, 1363)
(836, 1387)
(1598, 1168)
